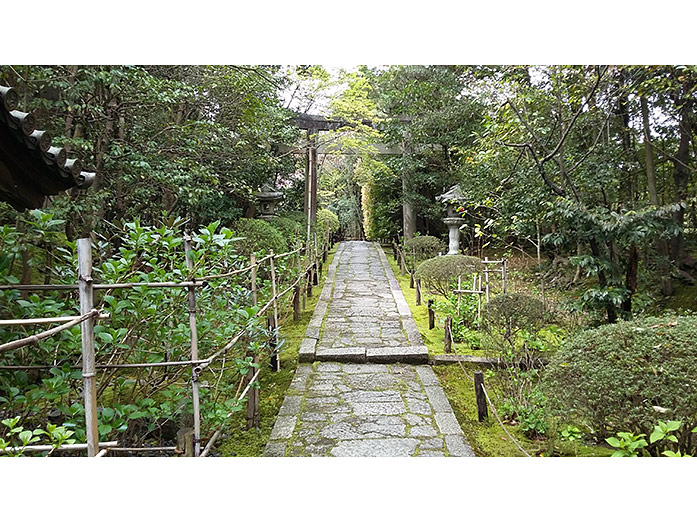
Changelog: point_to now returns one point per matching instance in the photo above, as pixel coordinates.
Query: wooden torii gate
(315, 123)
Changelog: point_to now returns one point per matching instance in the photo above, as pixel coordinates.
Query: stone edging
(306, 353)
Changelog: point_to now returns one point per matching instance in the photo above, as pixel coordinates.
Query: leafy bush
(291, 229)
(326, 218)
(440, 274)
(629, 375)
(259, 236)
(515, 312)
(423, 248)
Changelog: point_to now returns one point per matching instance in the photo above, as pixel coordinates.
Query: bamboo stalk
(89, 376)
(41, 321)
(67, 446)
(275, 360)
(34, 339)
(143, 449)
(194, 350)
(253, 278)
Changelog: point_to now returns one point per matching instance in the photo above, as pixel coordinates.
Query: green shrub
(440, 274)
(259, 236)
(326, 218)
(423, 248)
(291, 229)
(628, 376)
(515, 312)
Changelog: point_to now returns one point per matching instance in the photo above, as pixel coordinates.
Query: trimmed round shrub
(440, 274)
(516, 311)
(259, 236)
(325, 218)
(290, 229)
(423, 248)
(629, 375)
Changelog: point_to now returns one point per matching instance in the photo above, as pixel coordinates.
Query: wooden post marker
(296, 302)
(185, 442)
(89, 376)
(431, 315)
(482, 411)
(448, 340)
(418, 291)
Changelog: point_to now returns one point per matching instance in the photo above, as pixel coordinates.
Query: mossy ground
(486, 438)
(273, 385)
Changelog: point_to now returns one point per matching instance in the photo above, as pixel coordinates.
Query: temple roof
(31, 168)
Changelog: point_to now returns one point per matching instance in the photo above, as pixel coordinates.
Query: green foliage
(291, 229)
(631, 445)
(259, 236)
(326, 219)
(515, 312)
(629, 375)
(440, 274)
(423, 248)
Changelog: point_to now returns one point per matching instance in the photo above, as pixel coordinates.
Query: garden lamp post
(453, 219)
(268, 198)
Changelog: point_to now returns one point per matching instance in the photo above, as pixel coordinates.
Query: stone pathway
(354, 393)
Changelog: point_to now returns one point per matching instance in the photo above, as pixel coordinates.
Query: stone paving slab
(357, 409)
(361, 314)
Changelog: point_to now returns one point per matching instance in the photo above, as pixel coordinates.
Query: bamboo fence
(307, 269)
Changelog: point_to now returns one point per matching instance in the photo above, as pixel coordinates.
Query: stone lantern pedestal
(452, 198)
(453, 224)
(268, 198)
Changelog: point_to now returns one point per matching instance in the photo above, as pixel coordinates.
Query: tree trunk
(681, 177)
(661, 245)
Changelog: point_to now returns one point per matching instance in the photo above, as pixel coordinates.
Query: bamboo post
(253, 396)
(482, 412)
(275, 360)
(253, 278)
(448, 340)
(418, 291)
(504, 274)
(300, 271)
(479, 298)
(402, 263)
(194, 348)
(486, 278)
(89, 376)
(431, 315)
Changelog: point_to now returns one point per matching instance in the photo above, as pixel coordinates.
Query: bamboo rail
(35, 338)
(86, 288)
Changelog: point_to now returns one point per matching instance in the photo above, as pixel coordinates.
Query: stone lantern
(453, 220)
(268, 198)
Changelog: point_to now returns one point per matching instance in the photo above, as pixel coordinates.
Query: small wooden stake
(431, 315)
(296, 303)
(448, 340)
(275, 362)
(252, 397)
(194, 349)
(185, 442)
(411, 280)
(418, 291)
(315, 280)
(482, 411)
(89, 376)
